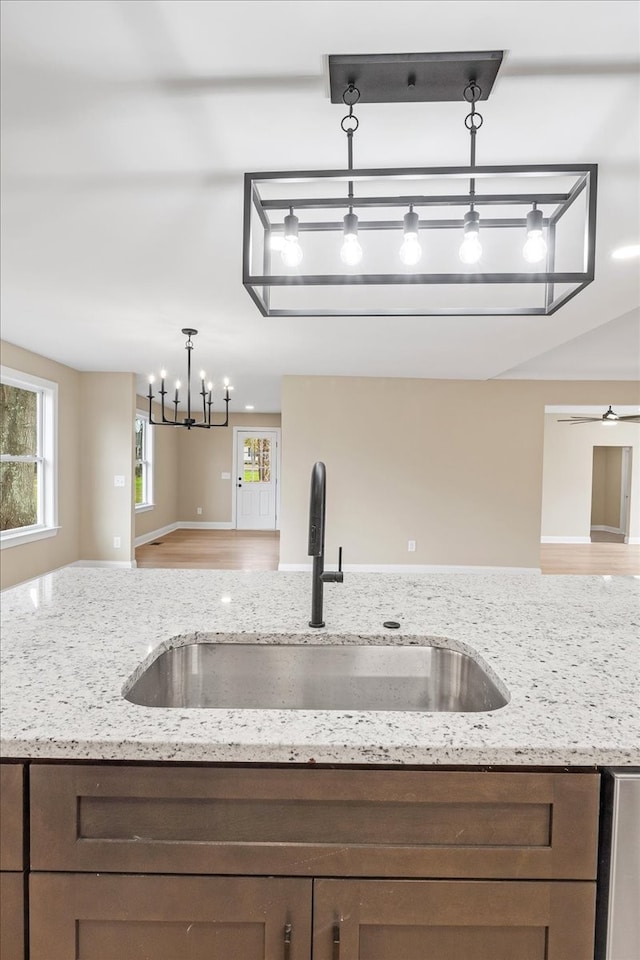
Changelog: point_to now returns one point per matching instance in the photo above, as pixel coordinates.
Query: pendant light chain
(350, 124)
(473, 121)
(351, 251)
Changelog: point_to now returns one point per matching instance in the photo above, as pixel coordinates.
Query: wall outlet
(116, 543)
(118, 481)
(225, 476)
(198, 510)
(411, 546)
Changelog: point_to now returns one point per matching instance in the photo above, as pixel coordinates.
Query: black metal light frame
(259, 286)
(403, 78)
(207, 399)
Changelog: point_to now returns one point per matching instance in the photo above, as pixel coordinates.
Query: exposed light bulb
(152, 379)
(351, 251)
(163, 374)
(291, 252)
(471, 248)
(210, 386)
(202, 374)
(178, 384)
(276, 241)
(535, 248)
(410, 251)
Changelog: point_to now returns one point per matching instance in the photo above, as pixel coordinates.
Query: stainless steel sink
(316, 677)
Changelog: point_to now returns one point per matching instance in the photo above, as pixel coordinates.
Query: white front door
(256, 479)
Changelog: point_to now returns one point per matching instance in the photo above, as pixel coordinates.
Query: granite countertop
(566, 648)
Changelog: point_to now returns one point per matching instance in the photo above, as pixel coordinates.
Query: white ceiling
(127, 126)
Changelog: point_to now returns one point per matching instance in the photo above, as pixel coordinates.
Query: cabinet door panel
(166, 918)
(483, 920)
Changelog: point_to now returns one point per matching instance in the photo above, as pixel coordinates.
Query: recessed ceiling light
(249, 406)
(626, 253)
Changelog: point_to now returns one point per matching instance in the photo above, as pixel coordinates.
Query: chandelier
(418, 241)
(205, 392)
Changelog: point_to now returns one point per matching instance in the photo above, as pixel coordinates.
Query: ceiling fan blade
(580, 420)
(632, 418)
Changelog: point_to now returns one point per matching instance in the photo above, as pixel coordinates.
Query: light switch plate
(225, 476)
(118, 481)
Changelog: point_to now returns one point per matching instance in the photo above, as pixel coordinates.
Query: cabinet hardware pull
(287, 941)
(336, 942)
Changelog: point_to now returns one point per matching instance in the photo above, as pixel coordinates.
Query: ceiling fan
(609, 417)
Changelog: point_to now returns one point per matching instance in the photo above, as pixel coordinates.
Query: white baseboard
(122, 564)
(565, 539)
(407, 568)
(154, 534)
(601, 528)
(632, 540)
(205, 525)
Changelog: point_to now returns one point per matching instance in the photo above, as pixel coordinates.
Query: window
(27, 457)
(144, 461)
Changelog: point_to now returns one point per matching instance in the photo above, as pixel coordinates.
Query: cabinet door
(11, 820)
(11, 916)
(456, 920)
(165, 918)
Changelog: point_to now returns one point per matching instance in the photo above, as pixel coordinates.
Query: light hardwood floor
(213, 550)
(615, 559)
(260, 550)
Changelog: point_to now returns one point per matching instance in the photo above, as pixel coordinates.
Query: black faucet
(316, 544)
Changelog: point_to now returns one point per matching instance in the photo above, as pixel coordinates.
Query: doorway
(610, 494)
(256, 461)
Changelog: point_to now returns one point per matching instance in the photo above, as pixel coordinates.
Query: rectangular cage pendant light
(428, 241)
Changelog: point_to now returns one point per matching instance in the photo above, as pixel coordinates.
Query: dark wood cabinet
(275, 863)
(169, 918)
(12, 861)
(12, 916)
(474, 920)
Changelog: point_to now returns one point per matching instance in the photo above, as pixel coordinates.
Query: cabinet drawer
(309, 822)
(11, 916)
(164, 918)
(11, 819)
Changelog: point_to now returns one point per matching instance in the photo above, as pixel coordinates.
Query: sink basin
(316, 677)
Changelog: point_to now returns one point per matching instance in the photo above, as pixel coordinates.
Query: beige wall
(203, 455)
(605, 491)
(107, 403)
(568, 471)
(165, 477)
(454, 465)
(31, 559)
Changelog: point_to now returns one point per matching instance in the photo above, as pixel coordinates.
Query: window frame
(146, 461)
(46, 458)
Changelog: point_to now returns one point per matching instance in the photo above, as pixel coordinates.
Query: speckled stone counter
(567, 649)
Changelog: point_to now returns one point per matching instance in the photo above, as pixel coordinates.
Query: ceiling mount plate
(408, 77)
